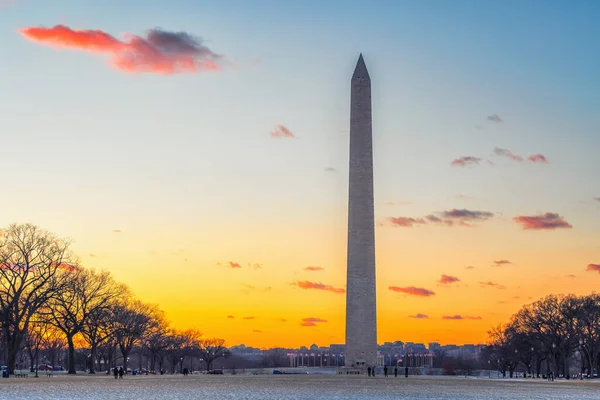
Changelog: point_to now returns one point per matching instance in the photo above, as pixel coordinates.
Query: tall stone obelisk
(361, 314)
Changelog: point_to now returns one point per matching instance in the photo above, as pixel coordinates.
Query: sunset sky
(210, 175)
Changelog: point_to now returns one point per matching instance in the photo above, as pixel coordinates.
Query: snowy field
(265, 387)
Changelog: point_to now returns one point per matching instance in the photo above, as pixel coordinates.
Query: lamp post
(581, 356)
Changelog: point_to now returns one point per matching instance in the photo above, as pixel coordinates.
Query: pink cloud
(281, 131)
(538, 158)
(314, 268)
(464, 161)
(311, 321)
(158, 52)
(593, 268)
(419, 316)
(501, 262)
(319, 286)
(411, 290)
(447, 279)
(457, 317)
(547, 221)
(405, 222)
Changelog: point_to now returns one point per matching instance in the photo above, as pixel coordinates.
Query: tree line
(48, 301)
(558, 333)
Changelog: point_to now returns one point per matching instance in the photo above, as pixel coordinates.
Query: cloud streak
(538, 158)
(234, 265)
(405, 222)
(494, 118)
(465, 161)
(547, 221)
(492, 284)
(311, 321)
(313, 268)
(459, 317)
(412, 291)
(458, 217)
(158, 52)
(319, 286)
(419, 316)
(507, 154)
(498, 263)
(281, 131)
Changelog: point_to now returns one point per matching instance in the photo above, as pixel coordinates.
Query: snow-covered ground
(266, 387)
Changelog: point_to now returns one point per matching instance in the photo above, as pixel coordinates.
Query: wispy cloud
(547, 221)
(311, 321)
(254, 266)
(538, 158)
(593, 268)
(329, 169)
(469, 267)
(158, 52)
(399, 203)
(281, 131)
(458, 217)
(319, 286)
(572, 276)
(492, 284)
(256, 331)
(494, 118)
(405, 222)
(230, 317)
(597, 198)
(457, 317)
(448, 279)
(419, 316)
(116, 231)
(247, 318)
(463, 197)
(313, 268)
(507, 154)
(501, 262)
(232, 264)
(413, 291)
(465, 161)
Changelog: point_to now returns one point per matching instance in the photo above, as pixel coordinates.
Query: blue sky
(91, 149)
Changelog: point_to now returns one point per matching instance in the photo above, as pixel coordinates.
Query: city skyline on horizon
(210, 175)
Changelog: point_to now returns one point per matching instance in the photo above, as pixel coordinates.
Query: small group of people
(371, 371)
(551, 376)
(186, 371)
(118, 372)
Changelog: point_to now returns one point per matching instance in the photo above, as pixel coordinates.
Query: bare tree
(156, 339)
(31, 264)
(133, 321)
(211, 350)
(85, 294)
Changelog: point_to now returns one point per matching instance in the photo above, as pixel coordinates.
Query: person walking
(406, 372)
(395, 372)
(116, 372)
(369, 371)
(385, 371)
(121, 372)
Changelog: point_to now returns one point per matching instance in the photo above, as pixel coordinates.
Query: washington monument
(361, 314)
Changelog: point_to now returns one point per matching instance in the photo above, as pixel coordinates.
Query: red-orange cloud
(411, 290)
(405, 222)
(319, 286)
(159, 52)
(593, 268)
(447, 279)
(311, 321)
(230, 317)
(547, 221)
(501, 262)
(311, 268)
(281, 131)
(232, 264)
